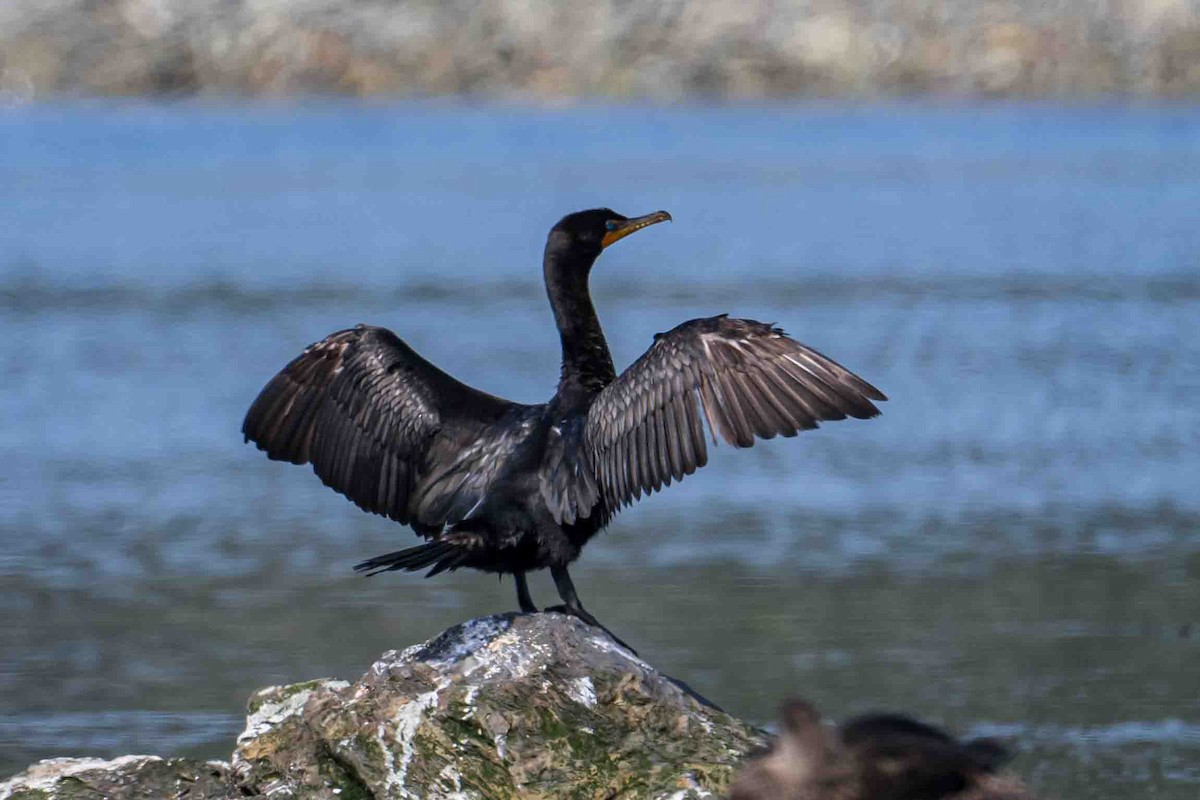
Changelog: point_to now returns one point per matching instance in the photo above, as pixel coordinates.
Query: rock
(508, 706)
(534, 706)
(125, 778)
(531, 706)
(567, 48)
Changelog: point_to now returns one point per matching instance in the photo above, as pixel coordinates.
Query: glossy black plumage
(507, 487)
(751, 380)
(386, 428)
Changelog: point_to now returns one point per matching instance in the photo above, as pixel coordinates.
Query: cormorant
(505, 487)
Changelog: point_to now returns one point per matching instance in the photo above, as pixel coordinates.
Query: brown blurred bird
(505, 487)
(873, 757)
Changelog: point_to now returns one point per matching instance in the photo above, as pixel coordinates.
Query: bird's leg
(572, 606)
(523, 597)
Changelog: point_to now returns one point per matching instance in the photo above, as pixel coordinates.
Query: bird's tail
(441, 555)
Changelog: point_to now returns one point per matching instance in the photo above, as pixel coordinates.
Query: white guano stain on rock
(449, 773)
(385, 661)
(407, 722)
(43, 775)
(504, 656)
(277, 787)
(693, 790)
(469, 700)
(609, 646)
(504, 677)
(582, 691)
(271, 714)
(487, 699)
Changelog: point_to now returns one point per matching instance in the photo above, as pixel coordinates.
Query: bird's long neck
(587, 365)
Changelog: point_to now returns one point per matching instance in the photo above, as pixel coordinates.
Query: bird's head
(799, 716)
(583, 235)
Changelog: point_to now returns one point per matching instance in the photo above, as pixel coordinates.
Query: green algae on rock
(529, 706)
(124, 778)
(524, 706)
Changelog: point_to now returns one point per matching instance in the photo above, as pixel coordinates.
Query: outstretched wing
(382, 426)
(750, 379)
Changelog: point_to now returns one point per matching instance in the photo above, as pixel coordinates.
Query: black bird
(873, 757)
(505, 487)
(901, 758)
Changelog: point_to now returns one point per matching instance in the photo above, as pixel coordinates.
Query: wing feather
(367, 412)
(744, 378)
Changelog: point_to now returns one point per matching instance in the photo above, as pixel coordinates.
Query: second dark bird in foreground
(873, 757)
(506, 487)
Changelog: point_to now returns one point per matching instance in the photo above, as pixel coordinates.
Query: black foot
(582, 614)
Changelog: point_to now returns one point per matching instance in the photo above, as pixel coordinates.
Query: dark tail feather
(410, 560)
(451, 562)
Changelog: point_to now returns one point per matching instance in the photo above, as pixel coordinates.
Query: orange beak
(625, 227)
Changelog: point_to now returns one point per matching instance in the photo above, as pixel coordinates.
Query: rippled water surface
(1012, 549)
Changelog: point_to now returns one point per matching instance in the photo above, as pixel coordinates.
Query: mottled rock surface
(530, 706)
(614, 48)
(508, 706)
(125, 778)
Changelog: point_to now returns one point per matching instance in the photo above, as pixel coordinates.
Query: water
(1011, 549)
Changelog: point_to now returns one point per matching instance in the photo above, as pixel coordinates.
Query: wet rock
(508, 706)
(530, 706)
(534, 706)
(125, 778)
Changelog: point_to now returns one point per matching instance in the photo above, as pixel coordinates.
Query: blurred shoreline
(549, 51)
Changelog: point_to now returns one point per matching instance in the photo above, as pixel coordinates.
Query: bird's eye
(611, 225)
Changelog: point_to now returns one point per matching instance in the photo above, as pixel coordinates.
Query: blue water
(1013, 546)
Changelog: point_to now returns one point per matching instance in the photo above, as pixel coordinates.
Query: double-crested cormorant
(504, 487)
(873, 757)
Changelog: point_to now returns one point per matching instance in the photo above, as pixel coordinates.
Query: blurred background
(988, 209)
